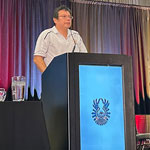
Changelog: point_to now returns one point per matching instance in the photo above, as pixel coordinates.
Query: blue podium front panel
(101, 108)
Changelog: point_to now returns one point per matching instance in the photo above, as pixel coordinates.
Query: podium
(88, 102)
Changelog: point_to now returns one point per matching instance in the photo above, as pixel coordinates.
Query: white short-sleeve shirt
(51, 43)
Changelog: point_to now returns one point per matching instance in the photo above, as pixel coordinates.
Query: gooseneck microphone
(73, 48)
(74, 42)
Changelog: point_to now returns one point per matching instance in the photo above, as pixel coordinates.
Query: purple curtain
(21, 21)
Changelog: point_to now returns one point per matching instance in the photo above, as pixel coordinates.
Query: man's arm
(39, 61)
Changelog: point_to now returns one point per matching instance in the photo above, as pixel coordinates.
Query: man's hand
(39, 61)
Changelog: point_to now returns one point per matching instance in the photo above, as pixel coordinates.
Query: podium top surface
(92, 59)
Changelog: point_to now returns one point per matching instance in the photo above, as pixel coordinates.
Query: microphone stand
(73, 41)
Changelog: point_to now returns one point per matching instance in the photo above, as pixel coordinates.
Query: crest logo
(100, 114)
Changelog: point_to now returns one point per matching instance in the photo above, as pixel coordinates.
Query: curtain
(132, 2)
(118, 29)
(21, 21)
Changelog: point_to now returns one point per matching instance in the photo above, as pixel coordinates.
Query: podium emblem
(100, 114)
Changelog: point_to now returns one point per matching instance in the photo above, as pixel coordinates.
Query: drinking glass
(2, 94)
(18, 88)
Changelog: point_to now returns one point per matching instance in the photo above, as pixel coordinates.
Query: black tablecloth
(22, 126)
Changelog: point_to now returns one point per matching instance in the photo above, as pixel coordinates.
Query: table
(22, 126)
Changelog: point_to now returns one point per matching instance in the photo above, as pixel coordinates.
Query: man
(58, 39)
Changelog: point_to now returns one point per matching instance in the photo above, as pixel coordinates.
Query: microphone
(73, 48)
(74, 42)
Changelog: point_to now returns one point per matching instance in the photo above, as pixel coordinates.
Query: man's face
(64, 19)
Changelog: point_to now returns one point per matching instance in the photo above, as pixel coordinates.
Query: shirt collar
(56, 31)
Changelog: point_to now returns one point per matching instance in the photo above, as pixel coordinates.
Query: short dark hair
(62, 7)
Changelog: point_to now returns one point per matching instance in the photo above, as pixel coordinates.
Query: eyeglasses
(65, 17)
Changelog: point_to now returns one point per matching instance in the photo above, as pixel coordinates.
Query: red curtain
(118, 29)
